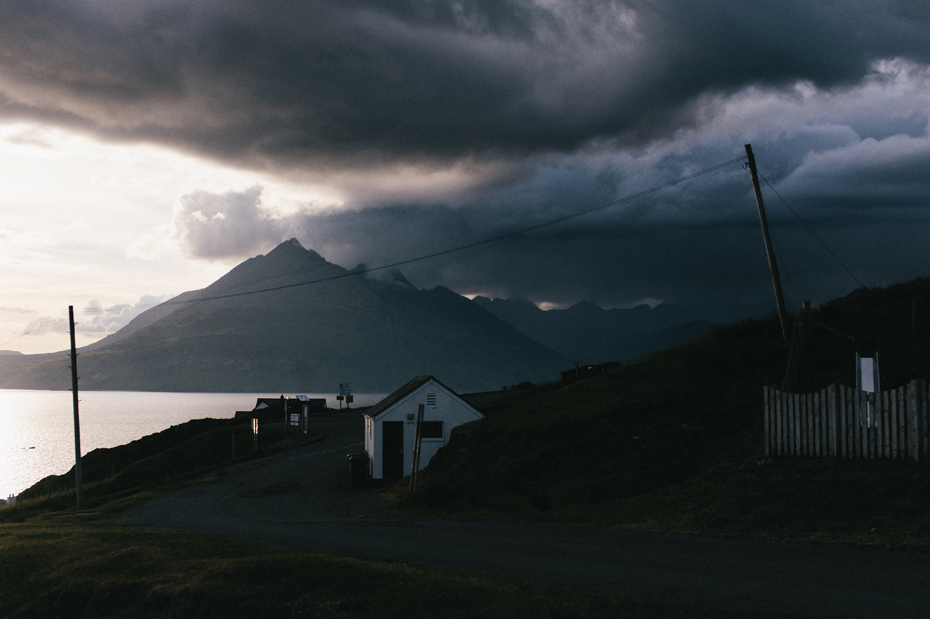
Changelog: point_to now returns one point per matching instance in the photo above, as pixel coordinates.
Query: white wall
(448, 408)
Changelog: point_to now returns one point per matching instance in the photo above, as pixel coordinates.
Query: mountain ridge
(588, 333)
(263, 327)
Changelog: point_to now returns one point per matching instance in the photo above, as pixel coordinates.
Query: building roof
(412, 385)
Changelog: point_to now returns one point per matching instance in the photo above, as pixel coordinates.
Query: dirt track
(294, 499)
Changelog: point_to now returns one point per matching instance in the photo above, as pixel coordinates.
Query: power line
(30, 331)
(444, 252)
(493, 239)
(809, 229)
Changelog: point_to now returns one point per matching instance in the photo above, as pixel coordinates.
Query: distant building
(273, 409)
(584, 372)
(390, 426)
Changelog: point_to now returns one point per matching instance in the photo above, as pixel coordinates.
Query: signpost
(345, 393)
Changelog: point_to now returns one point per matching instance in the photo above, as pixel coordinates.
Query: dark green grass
(674, 440)
(116, 477)
(56, 562)
(89, 567)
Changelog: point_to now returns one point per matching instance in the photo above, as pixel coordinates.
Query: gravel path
(300, 499)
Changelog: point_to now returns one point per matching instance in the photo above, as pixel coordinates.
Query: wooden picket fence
(840, 422)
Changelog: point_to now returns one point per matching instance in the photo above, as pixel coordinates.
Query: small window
(431, 399)
(431, 429)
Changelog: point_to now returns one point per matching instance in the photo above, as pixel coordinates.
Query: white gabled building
(390, 425)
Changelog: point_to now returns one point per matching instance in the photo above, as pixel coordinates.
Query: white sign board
(867, 374)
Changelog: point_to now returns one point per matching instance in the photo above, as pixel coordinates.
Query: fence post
(845, 428)
(850, 412)
(913, 422)
(803, 424)
(830, 396)
(923, 406)
(813, 433)
(820, 398)
(819, 417)
(893, 423)
(899, 412)
(780, 399)
(807, 426)
(797, 424)
(836, 420)
(885, 399)
(858, 438)
(829, 428)
(766, 417)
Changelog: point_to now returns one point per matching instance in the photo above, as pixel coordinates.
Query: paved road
(290, 500)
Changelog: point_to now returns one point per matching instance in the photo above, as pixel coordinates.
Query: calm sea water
(37, 427)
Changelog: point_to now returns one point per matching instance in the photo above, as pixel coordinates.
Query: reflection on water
(37, 427)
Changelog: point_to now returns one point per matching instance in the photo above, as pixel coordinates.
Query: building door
(392, 449)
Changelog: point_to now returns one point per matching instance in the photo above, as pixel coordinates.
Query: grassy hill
(57, 562)
(670, 442)
(674, 440)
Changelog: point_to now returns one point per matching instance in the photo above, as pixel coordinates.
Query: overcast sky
(146, 147)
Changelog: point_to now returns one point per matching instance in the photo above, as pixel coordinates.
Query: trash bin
(358, 468)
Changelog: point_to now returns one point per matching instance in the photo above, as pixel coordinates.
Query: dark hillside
(640, 427)
(674, 440)
(587, 333)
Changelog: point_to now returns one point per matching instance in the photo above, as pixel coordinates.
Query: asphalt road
(293, 500)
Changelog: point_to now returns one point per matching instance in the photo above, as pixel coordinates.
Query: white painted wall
(448, 408)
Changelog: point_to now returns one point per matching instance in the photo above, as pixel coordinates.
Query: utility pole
(773, 266)
(77, 423)
(417, 440)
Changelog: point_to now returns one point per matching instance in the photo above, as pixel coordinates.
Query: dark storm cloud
(699, 242)
(538, 110)
(865, 197)
(326, 84)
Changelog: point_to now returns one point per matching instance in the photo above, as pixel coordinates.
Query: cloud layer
(444, 123)
(361, 84)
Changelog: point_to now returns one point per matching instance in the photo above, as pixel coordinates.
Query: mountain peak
(293, 248)
(287, 264)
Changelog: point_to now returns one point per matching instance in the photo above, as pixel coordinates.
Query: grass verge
(116, 477)
(88, 566)
(57, 562)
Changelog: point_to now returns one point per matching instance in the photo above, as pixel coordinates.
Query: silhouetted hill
(674, 440)
(344, 327)
(588, 333)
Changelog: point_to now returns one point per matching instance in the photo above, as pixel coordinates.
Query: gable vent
(431, 399)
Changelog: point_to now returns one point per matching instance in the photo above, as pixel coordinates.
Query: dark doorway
(392, 449)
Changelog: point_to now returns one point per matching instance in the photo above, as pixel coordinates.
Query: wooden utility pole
(77, 422)
(417, 441)
(796, 352)
(773, 265)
